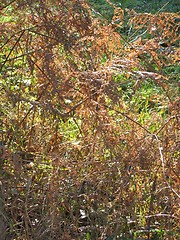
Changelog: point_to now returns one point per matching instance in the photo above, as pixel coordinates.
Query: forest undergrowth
(89, 123)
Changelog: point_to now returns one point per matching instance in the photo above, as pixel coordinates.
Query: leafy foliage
(89, 122)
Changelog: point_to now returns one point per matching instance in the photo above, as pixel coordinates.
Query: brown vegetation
(84, 154)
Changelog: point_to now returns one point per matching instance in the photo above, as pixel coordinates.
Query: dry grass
(89, 125)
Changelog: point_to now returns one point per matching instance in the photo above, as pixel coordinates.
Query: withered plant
(89, 123)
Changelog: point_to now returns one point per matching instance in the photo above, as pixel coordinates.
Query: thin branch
(25, 29)
(164, 172)
(129, 118)
(22, 55)
(161, 215)
(12, 50)
(161, 128)
(7, 5)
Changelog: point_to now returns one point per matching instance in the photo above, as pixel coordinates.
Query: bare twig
(12, 49)
(1, 8)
